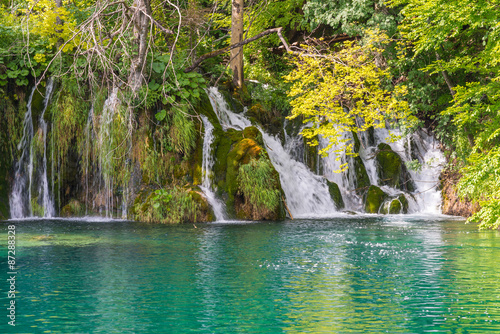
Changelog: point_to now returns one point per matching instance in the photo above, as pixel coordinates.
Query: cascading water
(307, 195)
(31, 169)
(346, 180)
(43, 188)
(106, 158)
(426, 198)
(206, 170)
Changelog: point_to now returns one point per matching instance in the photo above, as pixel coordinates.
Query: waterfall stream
(30, 191)
(206, 170)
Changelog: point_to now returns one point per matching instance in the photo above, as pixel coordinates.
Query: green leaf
(13, 74)
(160, 116)
(153, 85)
(184, 94)
(168, 100)
(158, 67)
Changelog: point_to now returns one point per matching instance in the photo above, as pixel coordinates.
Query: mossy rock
(4, 187)
(357, 143)
(392, 171)
(196, 160)
(253, 133)
(311, 154)
(362, 181)
(374, 199)
(73, 209)
(371, 136)
(336, 195)
(404, 203)
(241, 153)
(395, 207)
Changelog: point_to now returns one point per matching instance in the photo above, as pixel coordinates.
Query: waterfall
(43, 189)
(346, 180)
(307, 194)
(426, 198)
(31, 169)
(206, 170)
(106, 161)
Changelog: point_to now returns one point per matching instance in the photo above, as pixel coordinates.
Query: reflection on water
(395, 274)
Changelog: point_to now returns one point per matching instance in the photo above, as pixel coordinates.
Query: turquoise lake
(394, 274)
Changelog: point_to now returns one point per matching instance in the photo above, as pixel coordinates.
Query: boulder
(374, 199)
(391, 169)
(334, 190)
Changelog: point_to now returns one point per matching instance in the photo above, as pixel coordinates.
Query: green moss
(73, 209)
(371, 136)
(259, 185)
(168, 206)
(336, 195)
(395, 206)
(311, 153)
(362, 180)
(241, 153)
(357, 143)
(404, 203)
(392, 171)
(197, 161)
(206, 214)
(374, 199)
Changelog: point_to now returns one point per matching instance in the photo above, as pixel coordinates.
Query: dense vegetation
(409, 63)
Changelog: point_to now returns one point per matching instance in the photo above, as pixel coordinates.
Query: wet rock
(374, 199)
(336, 195)
(391, 169)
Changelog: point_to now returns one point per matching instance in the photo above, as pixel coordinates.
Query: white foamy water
(206, 170)
(29, 181)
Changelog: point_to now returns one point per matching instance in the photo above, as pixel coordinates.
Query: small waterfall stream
(206, 170)
(31, 168)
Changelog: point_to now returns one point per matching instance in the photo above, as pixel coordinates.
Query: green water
(371, 275)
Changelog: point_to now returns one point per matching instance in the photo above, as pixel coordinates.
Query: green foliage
(462, 39)
(344, 92)
(168, 206)
(257, 183)
(351, 17)
(69, 113)
(170, 85)
(481, 183)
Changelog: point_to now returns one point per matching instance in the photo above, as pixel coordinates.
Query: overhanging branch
(216, 53)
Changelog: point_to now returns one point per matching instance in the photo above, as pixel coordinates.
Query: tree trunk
(141, 29)
(236, 63)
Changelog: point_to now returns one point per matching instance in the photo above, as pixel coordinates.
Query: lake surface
(396, 274)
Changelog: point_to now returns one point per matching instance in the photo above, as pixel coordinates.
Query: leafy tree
(344, 91)
(464, 36)
(351, 17)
